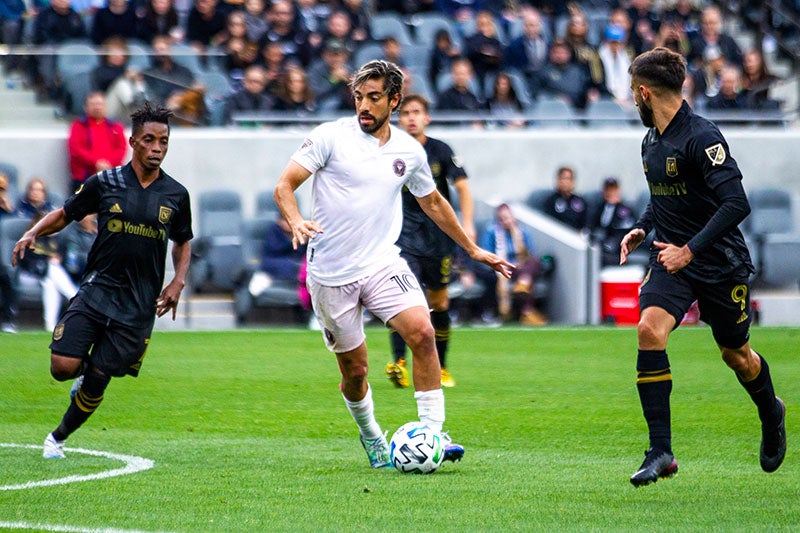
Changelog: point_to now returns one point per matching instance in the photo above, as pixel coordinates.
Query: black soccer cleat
(657, 464)
(773, 442)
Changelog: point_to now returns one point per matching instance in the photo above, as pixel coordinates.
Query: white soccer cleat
(378, 451)
(53, 449)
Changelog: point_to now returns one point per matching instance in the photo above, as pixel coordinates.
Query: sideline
(72, 529)
(133, 464)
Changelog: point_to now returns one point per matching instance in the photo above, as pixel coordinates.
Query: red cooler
(619, 294)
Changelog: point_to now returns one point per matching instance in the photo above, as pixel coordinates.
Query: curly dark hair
(148, 113)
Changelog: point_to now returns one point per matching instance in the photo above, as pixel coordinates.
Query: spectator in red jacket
(95, 143)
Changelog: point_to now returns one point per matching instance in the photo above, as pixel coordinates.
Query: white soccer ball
(416, 448)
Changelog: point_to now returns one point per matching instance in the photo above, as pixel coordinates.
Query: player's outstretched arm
(171, 294)
(53, 222)
(467, 207)
(291, 178)
(629, 243)
(440, 211)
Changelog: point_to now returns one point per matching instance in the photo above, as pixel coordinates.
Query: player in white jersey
(360, 165)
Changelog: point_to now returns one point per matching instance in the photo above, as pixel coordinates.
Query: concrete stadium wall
(503, 165)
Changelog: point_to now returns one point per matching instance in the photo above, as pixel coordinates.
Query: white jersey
(356, 197)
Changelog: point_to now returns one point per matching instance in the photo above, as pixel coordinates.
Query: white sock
(430, 407)
(363, 413)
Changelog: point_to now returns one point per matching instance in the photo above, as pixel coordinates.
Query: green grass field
(248, 432)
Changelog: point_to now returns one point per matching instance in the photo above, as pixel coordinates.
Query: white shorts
(385, 294)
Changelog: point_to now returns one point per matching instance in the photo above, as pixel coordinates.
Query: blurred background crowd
(216, 60)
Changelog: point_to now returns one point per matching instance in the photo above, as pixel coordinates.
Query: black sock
(398, 346)
(83, 404)
(761, 391)
(441, 328)
(654, 383)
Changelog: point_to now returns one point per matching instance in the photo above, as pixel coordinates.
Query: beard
(646, 114)
(377, 123)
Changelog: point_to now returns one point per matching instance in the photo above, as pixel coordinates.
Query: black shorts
(432, 272)
(115, 348)
(725, 305)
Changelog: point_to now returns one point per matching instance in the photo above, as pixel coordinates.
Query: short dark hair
(563, 169)
(148, 113)
(660, 68)
(378, 69)
(421, 100)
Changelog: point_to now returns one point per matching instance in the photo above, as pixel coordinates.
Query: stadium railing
(760, 118)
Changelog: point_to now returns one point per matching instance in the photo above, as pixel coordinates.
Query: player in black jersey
(696, 204)
(106, 330)
(426, 248)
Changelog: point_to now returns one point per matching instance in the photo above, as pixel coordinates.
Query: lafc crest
(716, 154)
(164, 214)
(672, 167)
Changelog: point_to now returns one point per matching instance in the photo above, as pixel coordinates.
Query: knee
(650, 335)
(739, 360)
(354, 373)
(63, 369)
(421, 336)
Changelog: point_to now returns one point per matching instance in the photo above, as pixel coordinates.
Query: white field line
(56, 527)
(133, 464)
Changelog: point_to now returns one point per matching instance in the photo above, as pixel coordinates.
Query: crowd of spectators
(494, 58)
(57, 262)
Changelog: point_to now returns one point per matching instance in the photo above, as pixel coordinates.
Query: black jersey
(683, 167)
(420, 235)
(125, 269)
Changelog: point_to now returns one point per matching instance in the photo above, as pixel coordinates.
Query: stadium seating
(29, 289)
(771, 211)
(552, 113)
(427, 25)
(76, 57)
(185, 55)
(389, 24)
(255, 289)
(367, 52)
(218, 87)
(218, 248)
(417, 57)
(770, 228)
(421, 85)
(77, 85)
(780, 267)
(606, 113)
(138, 57)
(266, 206)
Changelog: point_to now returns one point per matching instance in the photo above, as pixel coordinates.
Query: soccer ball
(416, 448)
